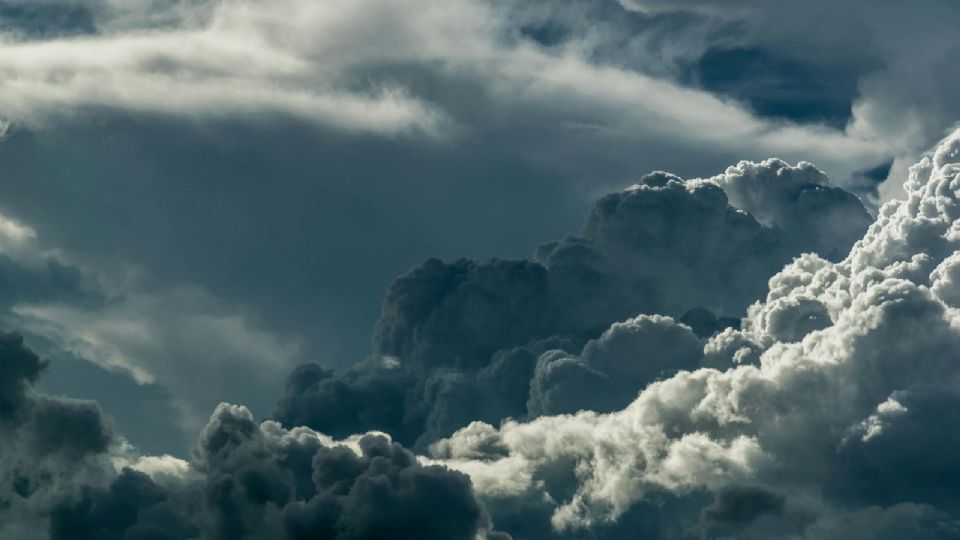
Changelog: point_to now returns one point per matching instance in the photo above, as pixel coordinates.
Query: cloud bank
(821, 416)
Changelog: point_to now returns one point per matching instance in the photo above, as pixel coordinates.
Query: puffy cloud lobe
(610, 371)
(64, 473)
(263, 481)
(688, 249)
(50, 443)
(831, 407)
(820, 218)
(133, 506)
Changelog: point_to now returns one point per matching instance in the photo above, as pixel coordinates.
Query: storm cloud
(66, 474)
(466, 340)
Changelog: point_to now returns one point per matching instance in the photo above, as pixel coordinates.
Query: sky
(478, 269)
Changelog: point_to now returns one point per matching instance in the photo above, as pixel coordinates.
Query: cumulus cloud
(49, 445)
(471, 340)
(65, 475)
(611, 369)
(823, 429)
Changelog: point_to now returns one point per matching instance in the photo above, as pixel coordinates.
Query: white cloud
(888, 346)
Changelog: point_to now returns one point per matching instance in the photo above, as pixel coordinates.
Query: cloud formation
(825, 422)
(465, 340)
(64, 473)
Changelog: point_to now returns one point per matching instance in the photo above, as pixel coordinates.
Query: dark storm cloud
(467, 340)
(246, 481)
(739, 505)
(433, 118)
(256, 482)
(49, 442)
(611, 369)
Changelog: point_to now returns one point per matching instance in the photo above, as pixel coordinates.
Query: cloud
(611, 369)
(362, 68)
(65, 472)
(183, 340)
(49, 443)
(467, 340)
(831, 423)
(840, 42)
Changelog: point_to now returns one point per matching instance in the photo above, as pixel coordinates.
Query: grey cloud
(50, 443)
(853, 40)
(611, 369)
(808, 421)
(664, 246)
(259, 481)
(247, 480)
(830, 410)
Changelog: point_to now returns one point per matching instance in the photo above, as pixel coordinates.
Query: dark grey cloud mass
(467, 340)
(62, 476)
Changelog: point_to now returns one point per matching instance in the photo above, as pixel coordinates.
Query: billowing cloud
(64, 474)
(465, 340)
(827, 420)
(49, 443)
(611, 369)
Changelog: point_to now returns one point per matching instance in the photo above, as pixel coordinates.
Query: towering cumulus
(832, 413)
